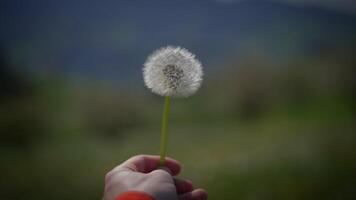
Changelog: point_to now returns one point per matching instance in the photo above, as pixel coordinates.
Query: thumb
(166, 169)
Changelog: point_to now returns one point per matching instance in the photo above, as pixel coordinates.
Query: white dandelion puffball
(173, 71)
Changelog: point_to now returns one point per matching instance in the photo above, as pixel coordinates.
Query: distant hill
(111, 39)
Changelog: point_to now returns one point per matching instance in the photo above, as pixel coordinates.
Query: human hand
(143, 173)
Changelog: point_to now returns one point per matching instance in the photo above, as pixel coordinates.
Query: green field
(286, 151)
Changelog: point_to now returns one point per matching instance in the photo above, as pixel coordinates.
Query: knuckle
(108, 176)
(139, 156)
(136, 158)
(111, 174)
(160, 172)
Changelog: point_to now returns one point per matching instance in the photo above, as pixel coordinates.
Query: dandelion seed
(171, 71)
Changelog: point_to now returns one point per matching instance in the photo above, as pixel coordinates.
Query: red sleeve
(133, 195)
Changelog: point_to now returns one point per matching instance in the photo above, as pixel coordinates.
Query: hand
(143, 173)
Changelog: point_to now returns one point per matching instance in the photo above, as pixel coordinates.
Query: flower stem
(163, 146)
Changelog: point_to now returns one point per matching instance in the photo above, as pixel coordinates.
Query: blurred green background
(274, 119)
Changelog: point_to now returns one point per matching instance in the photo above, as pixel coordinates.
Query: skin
(142, 173)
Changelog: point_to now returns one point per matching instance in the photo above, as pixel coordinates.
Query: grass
(291, 151)
(232, 161)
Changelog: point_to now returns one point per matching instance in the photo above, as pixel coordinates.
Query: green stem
(163, 147)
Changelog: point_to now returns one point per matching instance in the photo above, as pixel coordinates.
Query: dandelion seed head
(173, 71)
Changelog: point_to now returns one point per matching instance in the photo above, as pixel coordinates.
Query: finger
(166, 169)
(183, 186)
(197, 194)
(148, 163)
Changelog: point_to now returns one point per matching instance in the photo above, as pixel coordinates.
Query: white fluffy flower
(173, 71)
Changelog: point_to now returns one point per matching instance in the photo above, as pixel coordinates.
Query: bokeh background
(274, 119)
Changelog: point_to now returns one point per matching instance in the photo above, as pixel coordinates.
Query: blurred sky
(109, 40)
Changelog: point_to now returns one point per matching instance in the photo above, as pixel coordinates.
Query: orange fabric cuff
(133, 195)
